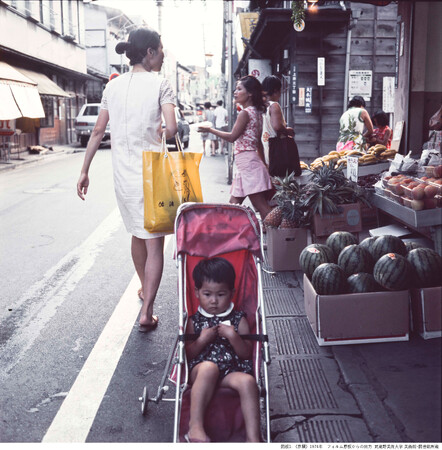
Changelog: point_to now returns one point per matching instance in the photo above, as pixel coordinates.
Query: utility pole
(228, 16)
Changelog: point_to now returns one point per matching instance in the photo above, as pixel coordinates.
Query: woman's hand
(203, 129)
(82, 185)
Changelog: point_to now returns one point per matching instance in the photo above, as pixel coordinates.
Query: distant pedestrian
(220, 122)
(133, 104)
(252, 178)
(208, 115)
(351, 126)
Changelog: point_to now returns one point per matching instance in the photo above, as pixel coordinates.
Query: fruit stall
(415, 201)
(377, 290)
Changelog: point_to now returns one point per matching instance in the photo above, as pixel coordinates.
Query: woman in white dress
(133, 103)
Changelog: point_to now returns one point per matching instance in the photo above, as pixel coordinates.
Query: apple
(430, 203)
(399, 189)
(430, 191)
(417, 205)
(407, 180)
(438, 171)
(413, 184)
(439, 181)
(424, 178)
(418, 193)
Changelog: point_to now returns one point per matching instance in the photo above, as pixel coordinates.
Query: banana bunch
(377, 149)
(303, 165)
(388, 154)
(368, 158)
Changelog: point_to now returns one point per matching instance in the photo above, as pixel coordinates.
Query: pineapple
(273, 218)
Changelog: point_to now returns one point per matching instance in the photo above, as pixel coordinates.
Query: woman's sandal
(190, 440)
(148, 328)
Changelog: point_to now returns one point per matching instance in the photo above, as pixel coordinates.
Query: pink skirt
(251, 177)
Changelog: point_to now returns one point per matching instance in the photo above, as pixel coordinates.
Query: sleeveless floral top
(248, 141)
(220, 351)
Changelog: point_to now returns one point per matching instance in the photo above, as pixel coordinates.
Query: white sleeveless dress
(134, 101)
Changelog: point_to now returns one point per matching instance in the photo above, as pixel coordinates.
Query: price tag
(352, 168)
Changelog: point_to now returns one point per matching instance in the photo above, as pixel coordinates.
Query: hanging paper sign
(294, 83)
(301, 97)
(308, 100)
(352, 168)
(321, 71)
(360, 83)
(388, 94)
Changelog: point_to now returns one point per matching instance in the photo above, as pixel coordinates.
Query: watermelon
(328, 251)
(427, 267)
(340, 239)
(393, 272)
(367, 243)
(411, 245)
(312, 256)
(362, 282)
(388, 244)
(354, 259)
(329, 279)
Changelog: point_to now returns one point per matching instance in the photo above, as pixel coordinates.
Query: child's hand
(208, 335)
(226, 331)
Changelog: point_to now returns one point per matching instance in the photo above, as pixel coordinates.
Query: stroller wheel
(144, 401)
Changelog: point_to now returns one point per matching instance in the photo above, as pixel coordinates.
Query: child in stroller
(219, 355)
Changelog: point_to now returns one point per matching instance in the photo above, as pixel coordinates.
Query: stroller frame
(177, 355)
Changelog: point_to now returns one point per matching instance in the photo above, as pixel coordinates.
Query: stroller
(232, 232)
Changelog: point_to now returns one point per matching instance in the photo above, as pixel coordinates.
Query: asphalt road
(72, 362)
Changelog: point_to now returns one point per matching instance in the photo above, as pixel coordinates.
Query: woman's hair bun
(121, 47)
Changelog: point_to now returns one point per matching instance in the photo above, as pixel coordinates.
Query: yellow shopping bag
(169, 179)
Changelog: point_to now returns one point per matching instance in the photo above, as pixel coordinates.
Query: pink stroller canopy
(207, 230)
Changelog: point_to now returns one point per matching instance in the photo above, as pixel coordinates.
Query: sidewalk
(383, 392)
(28, 158)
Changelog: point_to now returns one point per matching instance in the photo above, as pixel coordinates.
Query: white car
(85, 122)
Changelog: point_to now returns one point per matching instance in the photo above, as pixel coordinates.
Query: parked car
(183, 129)
(85, 121)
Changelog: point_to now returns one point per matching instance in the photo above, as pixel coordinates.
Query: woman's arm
(385, 139)
(237, 130)
(367, 121)
(242, 348)
(168, 110)
(92, 147)
(277, 120)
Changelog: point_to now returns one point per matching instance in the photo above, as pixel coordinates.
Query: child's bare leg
(260, 203)
(204, 377)
(247, 389)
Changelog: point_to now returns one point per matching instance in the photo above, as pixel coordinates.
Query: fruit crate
(284, 245)
(426, 312)
(357, 318)
(349, 219)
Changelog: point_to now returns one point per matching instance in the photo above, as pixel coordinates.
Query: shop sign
(260, 68)
(360, 83)
(308, 100)
(294, 83)
(7, 127)
(388, 94)
(321, 71)
(301, 97)
(352, 168)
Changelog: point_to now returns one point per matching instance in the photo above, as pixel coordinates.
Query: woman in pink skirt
(252, 177)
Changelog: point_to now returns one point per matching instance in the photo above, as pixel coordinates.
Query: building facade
(45, 41)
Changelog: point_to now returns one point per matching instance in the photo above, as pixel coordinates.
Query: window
(48, 106)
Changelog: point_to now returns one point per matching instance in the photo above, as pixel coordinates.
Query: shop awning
(19, 96)
(45, 85)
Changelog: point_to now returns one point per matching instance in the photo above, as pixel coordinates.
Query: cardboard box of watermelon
(357, 293)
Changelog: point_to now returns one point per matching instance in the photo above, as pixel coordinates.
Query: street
(66, 266)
